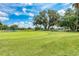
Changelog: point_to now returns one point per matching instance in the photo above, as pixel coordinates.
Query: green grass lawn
(39, 43)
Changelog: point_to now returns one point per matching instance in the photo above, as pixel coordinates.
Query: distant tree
(29, 28)
(14, 27)
(1, 25)
(5, 27)
(21, 28)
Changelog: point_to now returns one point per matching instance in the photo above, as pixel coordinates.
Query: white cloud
(3, 18)
(17, 13)
(20, 24)
(7, 8)
(26, 13)
(21, 13)
(29, 24)
(66, 4)
(24, 10)
(30, 14)
(25, 24)
(27, 9)
(61, 12)
(2, 14)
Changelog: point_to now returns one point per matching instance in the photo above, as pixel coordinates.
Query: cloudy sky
(22, 14)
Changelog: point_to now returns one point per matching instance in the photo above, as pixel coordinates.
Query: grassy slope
(39, 43)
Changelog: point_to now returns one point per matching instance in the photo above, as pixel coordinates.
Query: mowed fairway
(39, 43)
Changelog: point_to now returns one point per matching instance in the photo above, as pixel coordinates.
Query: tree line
(12, 27)
(46, 19)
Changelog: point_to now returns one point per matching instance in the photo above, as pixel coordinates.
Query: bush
(38, 28)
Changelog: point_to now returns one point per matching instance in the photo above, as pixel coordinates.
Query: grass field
(39, 43)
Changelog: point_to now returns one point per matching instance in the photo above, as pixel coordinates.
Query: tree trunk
(45, 27)
(77, 14)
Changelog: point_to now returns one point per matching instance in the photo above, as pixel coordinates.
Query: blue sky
(22, 14)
